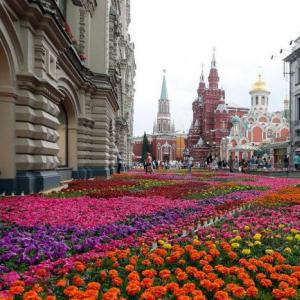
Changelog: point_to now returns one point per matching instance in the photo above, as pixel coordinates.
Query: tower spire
(213, 61)
(213, 78)
(202, 73)
(164, 91)
(201, 86)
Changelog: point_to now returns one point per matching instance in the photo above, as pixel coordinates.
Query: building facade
(294, 110)
(258, 128)
(66, 91)
(163, 139)
(211, 117)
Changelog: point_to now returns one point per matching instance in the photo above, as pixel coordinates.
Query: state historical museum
(211, 117)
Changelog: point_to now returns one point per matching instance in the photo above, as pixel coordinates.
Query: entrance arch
(68, 119)
(7, 116)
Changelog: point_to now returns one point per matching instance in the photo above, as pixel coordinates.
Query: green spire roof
(164, 91)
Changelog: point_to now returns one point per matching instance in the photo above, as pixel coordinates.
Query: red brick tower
(211, 117)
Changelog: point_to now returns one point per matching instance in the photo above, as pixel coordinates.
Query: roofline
(293, 56)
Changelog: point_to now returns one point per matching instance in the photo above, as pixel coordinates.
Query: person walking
(230, 163)
(190, 164)
(119, 162)
(296, 161)
(148, 164)
(286, 162)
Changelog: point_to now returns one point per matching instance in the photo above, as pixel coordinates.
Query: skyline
(243, 50)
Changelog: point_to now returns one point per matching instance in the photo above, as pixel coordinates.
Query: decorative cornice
(32, 83)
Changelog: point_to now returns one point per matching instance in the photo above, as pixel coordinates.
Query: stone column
(100, 160)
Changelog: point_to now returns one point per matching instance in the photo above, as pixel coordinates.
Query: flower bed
(104, 248)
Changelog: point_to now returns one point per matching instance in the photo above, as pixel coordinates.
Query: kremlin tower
(163, 137)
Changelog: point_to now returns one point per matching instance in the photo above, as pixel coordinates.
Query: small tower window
(256, 98)
(263, 100)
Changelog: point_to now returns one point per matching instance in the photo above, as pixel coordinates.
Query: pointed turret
(213, 61)
(164, 91)
(213, 78)
(201, 86)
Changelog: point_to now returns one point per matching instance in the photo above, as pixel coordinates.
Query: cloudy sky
(178, 35)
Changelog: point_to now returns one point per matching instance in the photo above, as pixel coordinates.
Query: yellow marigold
(257, 236)
(294, 231)
(289, 238)
(297, 237)
(246, 251)
(269, 251)
(281, 226)
(167, 246)
(287, 250)
(258, 243)
(235, 245)
(246, 227)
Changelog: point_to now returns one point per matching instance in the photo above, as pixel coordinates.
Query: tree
(145, 148)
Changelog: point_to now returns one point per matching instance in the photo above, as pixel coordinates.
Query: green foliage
(145, 148)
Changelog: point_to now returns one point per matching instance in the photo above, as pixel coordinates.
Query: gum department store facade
(66, 91)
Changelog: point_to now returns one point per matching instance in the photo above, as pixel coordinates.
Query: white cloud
(179, 35)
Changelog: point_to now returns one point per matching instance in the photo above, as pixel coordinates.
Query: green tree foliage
(145, 148)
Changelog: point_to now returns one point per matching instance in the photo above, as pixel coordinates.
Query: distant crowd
(234, 164)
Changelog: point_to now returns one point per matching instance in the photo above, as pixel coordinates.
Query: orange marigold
(103, 275)
(93, 286)
(164, 274)
(71, 291)
(61, 283)
(232, 255)
(147, 296)
(132, 289)
(77, 280)
(79, 266)
(277, 294)
(134, 275)
(113, 273)
(266, 282)
(117, 281)
(41, 272)
(239, 292)
(252, 291)
(149, 273)
(189, 287)
(129, 268)
(146, 283)
(290, 292)
(158, 291)
(16, 290)
(221, 295)
(172, 286)
(182, 276)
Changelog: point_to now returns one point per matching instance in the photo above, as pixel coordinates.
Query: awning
(297, 149)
